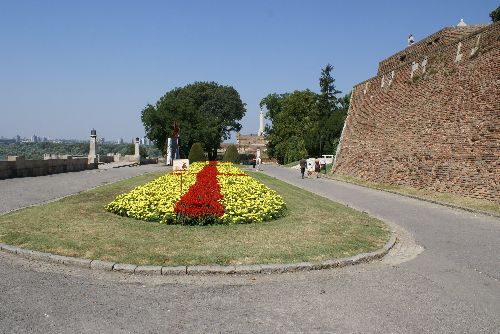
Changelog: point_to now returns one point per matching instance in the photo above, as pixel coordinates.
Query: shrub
(231, 155)
(196, 153)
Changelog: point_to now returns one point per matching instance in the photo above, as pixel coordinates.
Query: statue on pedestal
(173, 143)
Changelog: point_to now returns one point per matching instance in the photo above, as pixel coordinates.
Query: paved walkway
(469, 240)
(451, 287)
(21, 192)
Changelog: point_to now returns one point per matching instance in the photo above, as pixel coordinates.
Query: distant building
(145, 141)
(249, 144)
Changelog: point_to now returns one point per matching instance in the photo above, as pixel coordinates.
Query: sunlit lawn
(313, 229)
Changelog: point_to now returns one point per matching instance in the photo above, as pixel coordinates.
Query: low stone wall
(147, 161)
(139, 160)
(106, 158)
(16, 166)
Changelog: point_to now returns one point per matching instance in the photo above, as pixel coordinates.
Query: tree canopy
(495, 15)
(206, 112)
(305, 123)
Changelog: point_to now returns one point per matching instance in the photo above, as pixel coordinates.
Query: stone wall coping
(440, 48)
(201, 269)
(442, 34)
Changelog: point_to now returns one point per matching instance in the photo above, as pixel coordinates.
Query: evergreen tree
(327, 101)
(495, 15)
(232, 155)
(196, 153)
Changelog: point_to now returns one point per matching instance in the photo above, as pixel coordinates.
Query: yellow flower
(245, 199)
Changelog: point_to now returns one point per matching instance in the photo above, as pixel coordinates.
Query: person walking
(303, 164)
(411, 40)
(317, 167)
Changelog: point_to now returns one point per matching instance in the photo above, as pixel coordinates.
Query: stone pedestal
(93, 159)
(169, 159)
(137, 154)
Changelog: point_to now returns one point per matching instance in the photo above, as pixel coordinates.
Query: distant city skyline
(68, 67)
(36, 138)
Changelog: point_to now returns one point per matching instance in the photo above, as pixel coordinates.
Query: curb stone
(10, 249)
(102, 265)
(210, 270)
(330, 264)
(272, 268)
(250, 269)
(124, 267)
(148, 270)
(24, 252)
(85, 263)
(57, 258)
(179, 270)
(40, 255)
(202, 270)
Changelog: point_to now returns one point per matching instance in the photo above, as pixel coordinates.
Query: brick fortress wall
(431, 117)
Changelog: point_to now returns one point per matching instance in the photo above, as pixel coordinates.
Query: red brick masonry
(430, 119)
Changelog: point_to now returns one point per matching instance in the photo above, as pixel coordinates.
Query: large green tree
(290, 115)
(206, 112)
(305, 123)
(272, 102)
(333, 125)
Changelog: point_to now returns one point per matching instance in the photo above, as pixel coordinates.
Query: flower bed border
(213, 197)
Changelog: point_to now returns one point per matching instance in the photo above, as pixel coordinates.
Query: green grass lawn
(461, 201)
(313, 229)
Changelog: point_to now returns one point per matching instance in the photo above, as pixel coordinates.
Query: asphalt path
(21, 192)
(450, 285)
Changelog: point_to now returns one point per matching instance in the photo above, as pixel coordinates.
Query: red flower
(202, 199)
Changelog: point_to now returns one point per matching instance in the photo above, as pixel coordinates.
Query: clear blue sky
(69, 66)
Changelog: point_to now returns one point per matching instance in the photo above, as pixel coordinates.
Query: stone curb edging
(201, 270)
(450, 205)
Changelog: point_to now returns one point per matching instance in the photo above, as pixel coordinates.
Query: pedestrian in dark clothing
(303, 164)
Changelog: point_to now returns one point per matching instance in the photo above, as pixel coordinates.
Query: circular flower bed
(208, 193)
